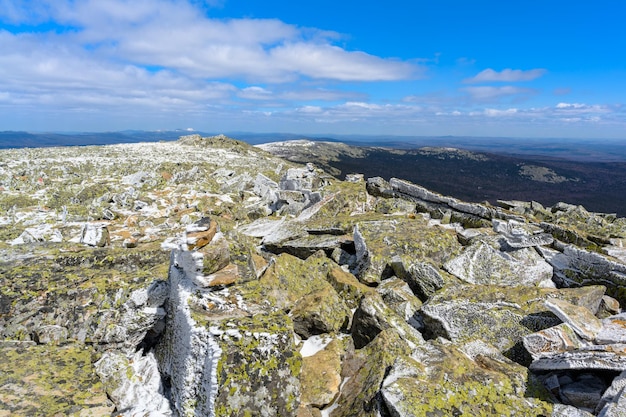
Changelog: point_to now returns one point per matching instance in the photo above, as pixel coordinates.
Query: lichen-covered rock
(321, 375)
(288, 278)
(557, 339)
(482, 263)
(398, 296)
(423, 279)
(83, 290)
(347, 286)
(574, 267)
(383, 242)
(498, 315)
(359, 394)
(259, 367)
(580, 319)
(49, 381)
(221, 359)
(320, 312)
(440, 379)
(373, 316)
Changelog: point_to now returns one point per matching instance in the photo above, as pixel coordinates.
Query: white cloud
(490, 93)
(309, 109)
(176, 35)
(167, 55)
(499, 113)
(507, 75)
(255, 93)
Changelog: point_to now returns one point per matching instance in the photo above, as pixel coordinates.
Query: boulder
(585, 392)
(398, 296)
(611, 396)
(367, 370)
(133, 384)
(221, 358)
(374, 316)
(498, 315)
(580, 319)
(439, 378)
(554, 340)
(521, 235)
(349, 288)
(613, 330)
(574, 267)
(48, 380)
(320, 312)
(423, 278)
(306, 246)
(287, 279)
(321, 376)
(485, 263)
(95, 234)
(399, 240)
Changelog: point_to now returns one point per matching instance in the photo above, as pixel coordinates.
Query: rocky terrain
(206, 277)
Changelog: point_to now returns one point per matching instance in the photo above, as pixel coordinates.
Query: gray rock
(300, 179)
(51, 334)
(306, 246)
(378, 187)
(423, 279)
(616, 408)
(609, 357)
(398, 296)
(95, 234)
(481, 263)
(554, 340)
(562, 410)
(612, 394)
(265, 188)
(580, 319)
(500, 316)
(133, 383)
(585, 392)
(373, 316)
(574, 267)
(613, 330)
(521, 235)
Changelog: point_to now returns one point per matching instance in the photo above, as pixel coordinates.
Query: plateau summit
(208, 277)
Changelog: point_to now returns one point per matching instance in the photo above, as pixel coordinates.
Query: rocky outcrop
(233, 283)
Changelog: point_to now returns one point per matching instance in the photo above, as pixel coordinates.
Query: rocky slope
(207, 277)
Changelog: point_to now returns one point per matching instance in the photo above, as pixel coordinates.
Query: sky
(397, 67)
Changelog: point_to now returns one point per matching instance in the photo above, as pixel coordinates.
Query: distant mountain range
(591, 150)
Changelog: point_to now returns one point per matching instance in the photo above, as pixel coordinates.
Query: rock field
(207, 277)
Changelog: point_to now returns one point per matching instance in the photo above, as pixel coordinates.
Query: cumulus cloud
(507, 75)
(177, 35)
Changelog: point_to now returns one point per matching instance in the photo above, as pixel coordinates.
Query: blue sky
(446, 67)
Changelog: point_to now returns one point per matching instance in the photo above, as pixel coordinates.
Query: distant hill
(474, 176)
